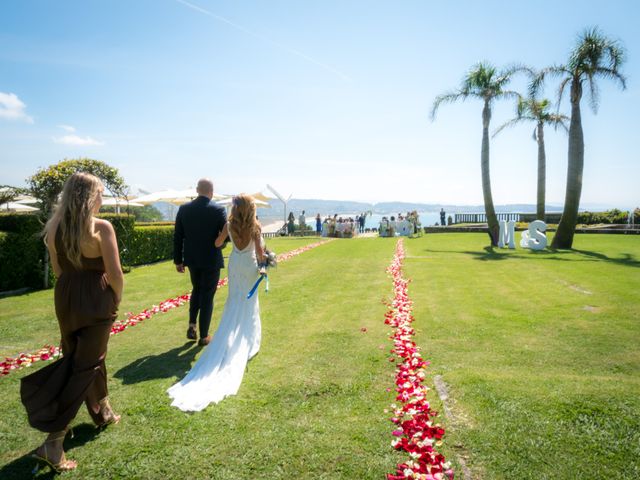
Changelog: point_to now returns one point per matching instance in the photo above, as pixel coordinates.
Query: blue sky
(321, 99)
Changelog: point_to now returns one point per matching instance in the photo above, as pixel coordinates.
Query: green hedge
(21, 251)
(140, 244)
(150, 244)
(614, 216)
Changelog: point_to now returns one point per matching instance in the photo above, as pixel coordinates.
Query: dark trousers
(205, 283)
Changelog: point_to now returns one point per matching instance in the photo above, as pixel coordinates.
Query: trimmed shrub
(155, 224)
(21, 251)
(149, 244)
(141, 244)
(614, 216)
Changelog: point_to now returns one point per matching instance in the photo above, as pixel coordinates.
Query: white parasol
(16, 207)
(175, 197)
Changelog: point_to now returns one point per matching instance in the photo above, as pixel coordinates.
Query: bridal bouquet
(270, 261)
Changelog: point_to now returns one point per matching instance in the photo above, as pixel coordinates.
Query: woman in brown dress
(85, 260)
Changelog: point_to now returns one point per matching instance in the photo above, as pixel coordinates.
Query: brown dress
(86, 308)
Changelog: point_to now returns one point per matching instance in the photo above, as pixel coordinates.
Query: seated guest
(384, 227)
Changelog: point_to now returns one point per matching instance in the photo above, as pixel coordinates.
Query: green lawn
(539, 351)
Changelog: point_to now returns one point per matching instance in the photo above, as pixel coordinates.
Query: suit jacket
(198, 224)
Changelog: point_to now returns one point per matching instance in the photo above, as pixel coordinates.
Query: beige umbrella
(227, 201)
(261, 196)
(119, 201)
(175, 197)
(26, 199)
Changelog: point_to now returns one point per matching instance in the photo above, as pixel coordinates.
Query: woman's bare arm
(111, 256)
(259, 248)
(223, 236)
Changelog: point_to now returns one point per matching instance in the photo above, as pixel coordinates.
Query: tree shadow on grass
(627, 260)
(493, 253)
(27, 467)
(173, 363)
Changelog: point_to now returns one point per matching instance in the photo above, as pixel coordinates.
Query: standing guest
(84, 255)
(198, 224)
(290, 224)
(443, 216)
(318, 225)
(392, 226)
(302, 221)
(361, 222)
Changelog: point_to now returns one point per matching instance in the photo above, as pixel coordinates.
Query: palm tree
(594, 56)
(537, 111)
(485, 83)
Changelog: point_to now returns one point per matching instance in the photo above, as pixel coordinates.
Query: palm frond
(540, 77)
(557, 121)
(535, 134)
(509, 94)
(594, 94)
(446, 98)
(508, 124)
(561, 88)
(520, 68)
(613, 75)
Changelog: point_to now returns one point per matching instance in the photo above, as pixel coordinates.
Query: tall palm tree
(485, 83)
(594, 56)
(537, 111)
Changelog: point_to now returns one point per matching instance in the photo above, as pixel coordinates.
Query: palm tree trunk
(542, 173)
(567, 225)
(492, 219)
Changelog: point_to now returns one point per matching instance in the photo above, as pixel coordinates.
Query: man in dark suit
(198, 224)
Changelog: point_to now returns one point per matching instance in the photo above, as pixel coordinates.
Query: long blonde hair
(242, 219)
(74, 214)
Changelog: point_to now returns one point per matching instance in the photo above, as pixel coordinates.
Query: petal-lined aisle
(416, 432)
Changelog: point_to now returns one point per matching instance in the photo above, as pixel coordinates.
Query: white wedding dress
(219, 370)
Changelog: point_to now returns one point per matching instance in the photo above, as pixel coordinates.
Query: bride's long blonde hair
(74, 214)
(242, 219)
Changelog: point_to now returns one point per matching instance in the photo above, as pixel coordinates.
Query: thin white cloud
(67, 128)
(78, 141)
(12, 108)
(282, 46)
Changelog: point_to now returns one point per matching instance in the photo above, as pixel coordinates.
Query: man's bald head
(205, 187)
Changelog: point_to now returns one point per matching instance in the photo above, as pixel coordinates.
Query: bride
(219, 370)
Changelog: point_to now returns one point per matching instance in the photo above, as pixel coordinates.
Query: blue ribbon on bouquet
(255, 285)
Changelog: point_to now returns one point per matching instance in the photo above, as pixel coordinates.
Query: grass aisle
(311, 403)
(540, 352)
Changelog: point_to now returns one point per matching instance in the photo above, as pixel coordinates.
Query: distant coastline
(330, 207)
(345, 207)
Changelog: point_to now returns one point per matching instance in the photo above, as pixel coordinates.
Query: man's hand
(180, 267)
